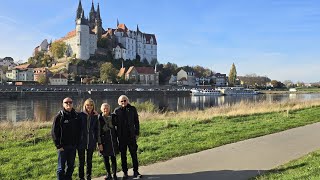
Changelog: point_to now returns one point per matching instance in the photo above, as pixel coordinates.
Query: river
(44, 108)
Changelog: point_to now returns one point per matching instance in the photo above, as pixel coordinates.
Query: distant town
(91, 54)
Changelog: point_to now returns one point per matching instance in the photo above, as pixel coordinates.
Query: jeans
(81, 154)
(66, 157)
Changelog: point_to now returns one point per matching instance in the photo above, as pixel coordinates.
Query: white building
(183, 78)
(130, 44)
(58, 79)
(20, 73)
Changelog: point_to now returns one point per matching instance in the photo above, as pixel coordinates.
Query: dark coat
(108, 135)
(127, 123)
(66, 129)
(89, 131)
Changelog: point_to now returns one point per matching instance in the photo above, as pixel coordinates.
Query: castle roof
(148, 38)
(121, 72)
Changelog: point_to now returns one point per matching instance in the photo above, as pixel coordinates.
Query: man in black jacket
(127, 123)
(66, 134)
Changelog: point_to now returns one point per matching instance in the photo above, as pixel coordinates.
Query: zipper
(88, 130)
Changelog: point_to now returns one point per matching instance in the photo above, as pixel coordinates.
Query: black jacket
(127, 122)
(108, 135)
(90, 134)
(66, 129)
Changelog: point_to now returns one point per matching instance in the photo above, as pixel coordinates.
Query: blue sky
(276, 38)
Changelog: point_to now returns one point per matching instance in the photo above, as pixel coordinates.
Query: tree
(232, 75)
(42, 79)
(108, 73)
(153, 62)
(58, 49)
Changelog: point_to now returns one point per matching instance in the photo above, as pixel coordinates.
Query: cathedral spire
(117, 22)
(98, 12)
(79, 10)
(138, 28)
(92, 7)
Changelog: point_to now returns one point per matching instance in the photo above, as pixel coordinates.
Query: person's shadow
(218, 175)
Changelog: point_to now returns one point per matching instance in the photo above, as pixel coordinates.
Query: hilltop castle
(121, 42)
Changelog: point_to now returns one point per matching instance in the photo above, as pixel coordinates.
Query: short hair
(104, 104)
(122, 97)
(88, 101)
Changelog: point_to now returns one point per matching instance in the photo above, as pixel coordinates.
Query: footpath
(237, 161)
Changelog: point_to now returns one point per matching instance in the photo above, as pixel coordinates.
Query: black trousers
(107, 164)
(133, 147)
(81, 154)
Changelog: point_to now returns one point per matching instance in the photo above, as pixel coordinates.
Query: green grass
(30, 153)
(307, 167)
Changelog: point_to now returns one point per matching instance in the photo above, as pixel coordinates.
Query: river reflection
(43, 109)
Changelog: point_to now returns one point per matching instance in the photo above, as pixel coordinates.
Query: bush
(147, 106)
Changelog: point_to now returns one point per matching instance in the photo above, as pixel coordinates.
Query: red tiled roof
(145, 70)
(24, 66)
(122, 27)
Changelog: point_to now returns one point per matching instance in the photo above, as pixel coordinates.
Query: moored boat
(205, 92)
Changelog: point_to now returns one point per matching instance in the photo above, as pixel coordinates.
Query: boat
(237, 91)
(205, 92)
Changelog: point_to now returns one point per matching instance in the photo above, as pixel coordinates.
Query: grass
(307, 167)
(27, 151)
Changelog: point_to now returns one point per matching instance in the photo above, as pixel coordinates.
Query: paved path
(240, 160)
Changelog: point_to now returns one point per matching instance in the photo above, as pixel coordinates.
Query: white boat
(205, 92)
(237, 91)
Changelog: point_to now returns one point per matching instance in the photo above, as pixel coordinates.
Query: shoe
(115, 177)
(108, 177)
(125, 175)
(136, 175)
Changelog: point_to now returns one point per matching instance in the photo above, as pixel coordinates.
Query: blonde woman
(128, 127)
(90, 136)
(109, 142)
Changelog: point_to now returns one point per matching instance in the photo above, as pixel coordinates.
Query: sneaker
(125, 175)
(136, 175)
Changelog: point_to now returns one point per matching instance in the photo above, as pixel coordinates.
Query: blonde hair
(103, 105)
(122, 97)
(88, 101)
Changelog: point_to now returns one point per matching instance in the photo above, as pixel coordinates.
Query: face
(124, 102)
(67, 104)
(105, 110)
(89, 107)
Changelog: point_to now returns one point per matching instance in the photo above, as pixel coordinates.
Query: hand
(100, 148)
(61, 149)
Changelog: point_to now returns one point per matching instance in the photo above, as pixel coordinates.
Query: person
(109, 142)
(65, 134)
(89, 137)
(127, 123)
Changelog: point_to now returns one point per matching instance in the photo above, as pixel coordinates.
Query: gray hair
(121, 98)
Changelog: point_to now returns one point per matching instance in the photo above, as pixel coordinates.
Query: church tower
(92, 17)
(98, 23)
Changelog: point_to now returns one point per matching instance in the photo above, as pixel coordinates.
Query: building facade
(20, 73)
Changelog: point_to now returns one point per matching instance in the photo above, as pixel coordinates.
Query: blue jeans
(66, 157)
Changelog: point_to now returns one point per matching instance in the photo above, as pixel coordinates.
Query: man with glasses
(66, 134)
(127, 123)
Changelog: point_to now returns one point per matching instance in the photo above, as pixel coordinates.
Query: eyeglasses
(89, 104)
(68, 102)
(123, 101)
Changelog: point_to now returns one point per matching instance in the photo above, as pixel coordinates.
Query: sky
(274, 38)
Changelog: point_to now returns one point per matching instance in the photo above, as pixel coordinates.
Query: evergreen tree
(232, 75)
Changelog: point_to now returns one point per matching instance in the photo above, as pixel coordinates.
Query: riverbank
(163, 136)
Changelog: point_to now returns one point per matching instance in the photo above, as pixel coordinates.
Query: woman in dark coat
(109, 142)
(89, 137)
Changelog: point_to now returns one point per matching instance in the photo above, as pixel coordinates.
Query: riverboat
(205, 92)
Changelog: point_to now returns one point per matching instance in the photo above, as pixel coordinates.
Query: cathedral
(121, 42)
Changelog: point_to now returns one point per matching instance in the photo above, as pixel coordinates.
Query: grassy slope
(29, 153)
